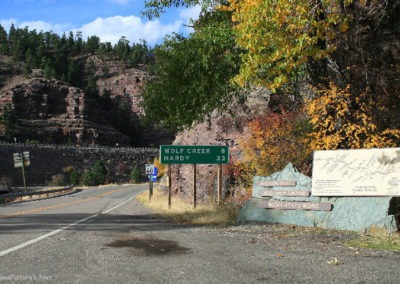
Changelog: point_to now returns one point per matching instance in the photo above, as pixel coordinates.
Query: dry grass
(387, 243)
(184, 213)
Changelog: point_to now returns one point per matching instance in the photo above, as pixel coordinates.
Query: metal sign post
(169, 185)
(194, 186)
(220, 185)
(22, 160)
(149, 173)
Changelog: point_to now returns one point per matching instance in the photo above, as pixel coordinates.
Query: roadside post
(194, 154)
(22, 160)
(194, 186)
(169, 185)
(219, 185)
(149, 173)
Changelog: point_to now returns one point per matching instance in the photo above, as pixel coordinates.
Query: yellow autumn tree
(280, 36)
(342, 120)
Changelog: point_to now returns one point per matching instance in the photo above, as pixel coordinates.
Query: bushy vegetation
(341, 120)
(95, 176)
(192, 74)
(7, 122)
(73, 177)
(272, 140)
(282, 42)
(135, 175)
(327, 44)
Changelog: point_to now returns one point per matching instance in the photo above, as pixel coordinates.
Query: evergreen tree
(3, 41)
(74, 74)
(49, 71)
(70, 41)
(78, 44)
(92, 44)
(8, 119)
(90, 74)
(122, 48)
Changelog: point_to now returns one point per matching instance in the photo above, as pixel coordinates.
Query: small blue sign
(155, 173)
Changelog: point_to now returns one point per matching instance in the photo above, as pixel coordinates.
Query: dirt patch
(150, 246)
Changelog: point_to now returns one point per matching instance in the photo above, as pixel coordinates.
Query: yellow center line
(58, 205)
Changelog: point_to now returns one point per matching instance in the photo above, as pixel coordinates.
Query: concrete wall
(51, 164)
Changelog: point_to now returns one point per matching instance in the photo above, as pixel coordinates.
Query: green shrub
(32, 142)
(135, 175)
(88, 179)
(96, 175)
(73, 177)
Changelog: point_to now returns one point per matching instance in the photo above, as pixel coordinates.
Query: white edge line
(52, 233)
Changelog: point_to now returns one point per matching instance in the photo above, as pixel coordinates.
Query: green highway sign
(195, 154)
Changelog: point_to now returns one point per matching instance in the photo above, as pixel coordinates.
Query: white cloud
(45, 26)
(35, 25)
(133, 28)
(190, 13)
(6, 23)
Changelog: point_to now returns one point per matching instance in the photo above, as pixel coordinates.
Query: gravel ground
(164, 252)
(132, 245)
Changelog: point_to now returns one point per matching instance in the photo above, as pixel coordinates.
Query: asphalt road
(105, 236)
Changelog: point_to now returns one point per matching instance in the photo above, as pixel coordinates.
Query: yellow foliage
(161, 167)
(342, 120)
(280, 35)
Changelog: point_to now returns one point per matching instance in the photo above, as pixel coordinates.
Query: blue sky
(107, 19)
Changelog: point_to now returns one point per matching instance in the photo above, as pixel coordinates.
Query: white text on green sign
(194, 154)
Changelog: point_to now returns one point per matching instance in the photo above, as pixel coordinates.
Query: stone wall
(51, 164)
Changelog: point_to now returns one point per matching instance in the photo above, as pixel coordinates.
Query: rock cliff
(51, 111)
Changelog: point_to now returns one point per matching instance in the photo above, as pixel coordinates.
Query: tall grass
(183, 212)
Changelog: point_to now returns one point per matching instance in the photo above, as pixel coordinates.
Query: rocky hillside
(52, 111)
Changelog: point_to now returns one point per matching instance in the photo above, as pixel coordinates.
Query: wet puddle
(150, 246)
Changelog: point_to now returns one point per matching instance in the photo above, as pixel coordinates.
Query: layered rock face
(126, 85)
(50, 111)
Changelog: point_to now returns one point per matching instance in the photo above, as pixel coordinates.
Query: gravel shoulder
(164, 252)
